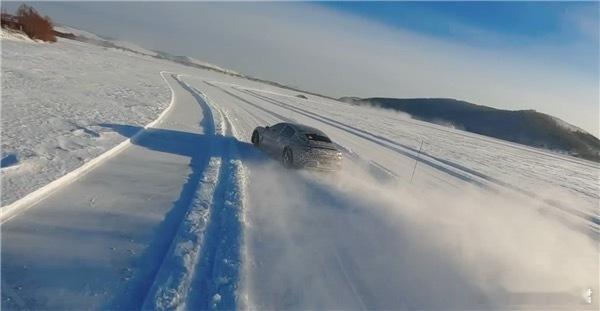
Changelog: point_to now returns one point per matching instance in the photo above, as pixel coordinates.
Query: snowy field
(54, 98)
(191, 216)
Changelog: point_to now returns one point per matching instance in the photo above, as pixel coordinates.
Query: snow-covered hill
(527, 127)
(188, 215)
(13, 35)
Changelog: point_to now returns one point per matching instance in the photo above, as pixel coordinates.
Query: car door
(269, 141)
(284, 138)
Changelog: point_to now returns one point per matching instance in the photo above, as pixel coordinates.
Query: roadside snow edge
(9, 211)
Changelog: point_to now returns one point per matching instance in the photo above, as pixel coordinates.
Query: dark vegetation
(30, 22)
(527, 127)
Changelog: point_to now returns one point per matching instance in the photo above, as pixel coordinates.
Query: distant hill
(527, 127)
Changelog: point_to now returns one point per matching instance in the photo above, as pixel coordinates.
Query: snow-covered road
(191, 216)
(100, 241)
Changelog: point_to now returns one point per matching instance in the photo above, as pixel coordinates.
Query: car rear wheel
(287, 158)
(255, 138)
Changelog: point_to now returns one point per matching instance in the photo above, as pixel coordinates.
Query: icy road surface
(191, 216)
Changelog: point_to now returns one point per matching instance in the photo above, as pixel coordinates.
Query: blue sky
(532, 20)
(509, 55)
(491, 25)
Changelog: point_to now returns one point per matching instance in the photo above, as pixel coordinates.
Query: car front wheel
(255, 138)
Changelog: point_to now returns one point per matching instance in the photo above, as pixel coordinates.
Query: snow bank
(172, 286)
(54, 98)
(77, 32)
(30, 199)
(13, 35)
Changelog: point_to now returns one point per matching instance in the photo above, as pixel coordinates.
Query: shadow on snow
(199, 148)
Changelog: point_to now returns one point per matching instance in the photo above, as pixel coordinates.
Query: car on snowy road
(298, 146)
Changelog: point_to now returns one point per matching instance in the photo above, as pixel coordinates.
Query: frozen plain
(190, 216)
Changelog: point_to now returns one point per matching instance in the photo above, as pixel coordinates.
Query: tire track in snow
(218, 277)
(201, 270)
(258, 119)
(274, 114)
(172, 281)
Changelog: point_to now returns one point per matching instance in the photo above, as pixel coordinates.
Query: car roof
(301, 128)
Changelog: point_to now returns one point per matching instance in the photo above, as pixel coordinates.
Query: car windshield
(317, 137)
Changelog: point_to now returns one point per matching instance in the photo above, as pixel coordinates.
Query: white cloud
(585, 19)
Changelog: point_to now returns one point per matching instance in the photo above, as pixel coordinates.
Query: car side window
(277, 127)
(287, 132)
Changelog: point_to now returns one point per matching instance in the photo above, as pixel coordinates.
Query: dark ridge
(527, 127)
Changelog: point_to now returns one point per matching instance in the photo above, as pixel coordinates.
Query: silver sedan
(298, 146)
